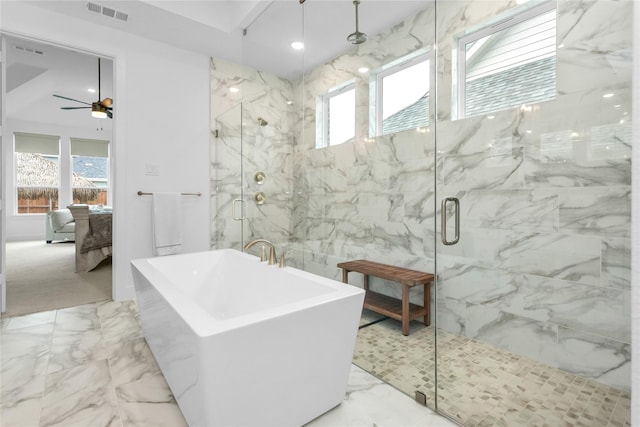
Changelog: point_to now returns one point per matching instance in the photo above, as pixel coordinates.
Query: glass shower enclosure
(534, 144)
(509, 179)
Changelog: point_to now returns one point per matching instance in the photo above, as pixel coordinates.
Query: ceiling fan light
(98, 111)
(99, 114)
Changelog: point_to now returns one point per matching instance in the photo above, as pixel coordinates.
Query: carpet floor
(41, 277)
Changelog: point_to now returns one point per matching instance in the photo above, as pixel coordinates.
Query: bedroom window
(90, 166)
(37, 166)
(506, 64)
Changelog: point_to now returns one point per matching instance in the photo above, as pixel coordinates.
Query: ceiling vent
(107, 11)
(30, 50)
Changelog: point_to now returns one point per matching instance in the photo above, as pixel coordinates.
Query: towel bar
(141, 193)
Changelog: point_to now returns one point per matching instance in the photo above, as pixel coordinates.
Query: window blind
(38, 144)
(89, 147)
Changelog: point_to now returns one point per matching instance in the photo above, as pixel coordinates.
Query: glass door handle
(443, 220)
(233, 209)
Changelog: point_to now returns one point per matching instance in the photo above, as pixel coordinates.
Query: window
(45, 179)
(90, 166)
(401, 95)
(337, 116)
(37, 160)
(508, 64)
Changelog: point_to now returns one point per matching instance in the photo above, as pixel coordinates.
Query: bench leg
(345, 275)
(405, 310)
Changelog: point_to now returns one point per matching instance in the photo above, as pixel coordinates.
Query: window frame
(103, 155)
(54, 140)
(322, 137)
(414, 58)
(460, 69)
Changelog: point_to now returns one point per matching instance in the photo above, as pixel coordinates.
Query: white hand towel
(167, 223)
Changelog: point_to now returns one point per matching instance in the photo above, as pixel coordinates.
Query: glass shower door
(533, 184)
(227, 182)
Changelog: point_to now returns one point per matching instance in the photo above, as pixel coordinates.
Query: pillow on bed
(60, 218)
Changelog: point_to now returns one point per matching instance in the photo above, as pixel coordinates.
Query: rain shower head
(357, 37)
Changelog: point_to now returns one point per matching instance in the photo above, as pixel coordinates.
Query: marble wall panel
(525, 210)
(616, 263)
(520, 335)
(596, 211)
(594, 356)
(500, 168)
(593, 36)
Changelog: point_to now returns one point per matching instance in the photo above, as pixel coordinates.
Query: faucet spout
(272, 249)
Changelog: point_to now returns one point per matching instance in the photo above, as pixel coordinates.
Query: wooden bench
(401, 310)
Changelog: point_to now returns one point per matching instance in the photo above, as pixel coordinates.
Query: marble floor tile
(78, 319)
(23, 413)
(21, 378)
(370, 402)
(23, 362)
(79, 397)
(131, 360)
(149, 401)
(70, 348)
(120, 321)
(17, 322)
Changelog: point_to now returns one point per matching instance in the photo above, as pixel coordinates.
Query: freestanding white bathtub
(243, 343)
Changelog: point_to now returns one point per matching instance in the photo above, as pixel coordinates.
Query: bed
(92, 235)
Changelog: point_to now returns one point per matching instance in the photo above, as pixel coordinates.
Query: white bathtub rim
(204, 324)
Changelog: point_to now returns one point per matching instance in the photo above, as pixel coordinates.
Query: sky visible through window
(342, 117)
(404, 88)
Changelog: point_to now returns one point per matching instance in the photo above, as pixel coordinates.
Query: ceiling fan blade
(110, 114)
(71, 99)
(73, 108)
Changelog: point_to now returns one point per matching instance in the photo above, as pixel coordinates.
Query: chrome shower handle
(443, 220)
(233, 210)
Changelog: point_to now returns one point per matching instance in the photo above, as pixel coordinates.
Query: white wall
(161, 96)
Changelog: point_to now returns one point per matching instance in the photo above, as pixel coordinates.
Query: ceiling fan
(99, 109)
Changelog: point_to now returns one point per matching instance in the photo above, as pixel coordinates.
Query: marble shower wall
(371, 197)
(543, 264)
(239, 97)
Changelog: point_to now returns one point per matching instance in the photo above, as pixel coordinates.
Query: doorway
(56, 86)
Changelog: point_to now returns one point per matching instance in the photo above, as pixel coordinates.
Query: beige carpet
(40, 277)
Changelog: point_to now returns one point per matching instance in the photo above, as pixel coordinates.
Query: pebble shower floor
(481, 385)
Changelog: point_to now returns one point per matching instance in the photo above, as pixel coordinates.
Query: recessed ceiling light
(297, 45)
(91, 90)
(363, 70)
(234, 89)
(607, 95)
